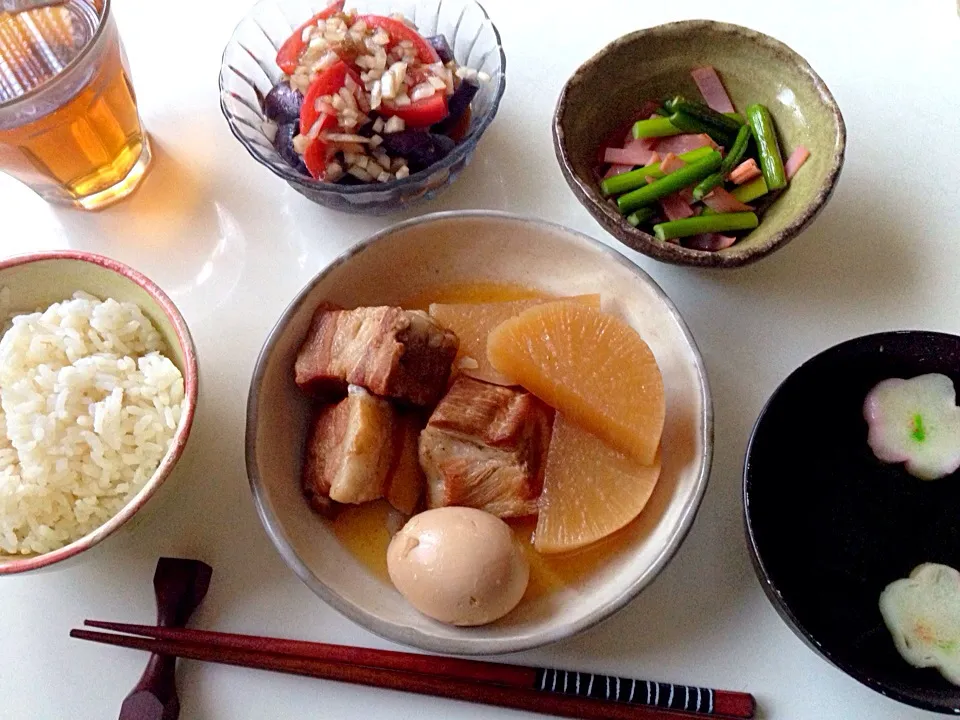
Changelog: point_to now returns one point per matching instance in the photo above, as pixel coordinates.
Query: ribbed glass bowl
(249, 71)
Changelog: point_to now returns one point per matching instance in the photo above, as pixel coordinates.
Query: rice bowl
(97, 396)
(89, 407)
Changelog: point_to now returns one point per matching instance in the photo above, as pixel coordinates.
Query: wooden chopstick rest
(180, 586)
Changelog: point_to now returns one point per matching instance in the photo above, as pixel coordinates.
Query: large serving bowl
(830, 526)
(607, 90)
(249, 70)
(41, 279)
(443, 249)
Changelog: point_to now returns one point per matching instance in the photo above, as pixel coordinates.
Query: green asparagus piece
(704, 113)
(751, 191)
(624, 182)
(684, 177)
(697, 117)
(729, 162)
(654, 127)
(721, 222)
(641, 216)
(765, 136)
(690, 124)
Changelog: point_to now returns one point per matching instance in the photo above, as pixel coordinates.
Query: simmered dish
(475, 421)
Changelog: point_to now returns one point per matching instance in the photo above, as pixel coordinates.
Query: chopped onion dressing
(394, 77)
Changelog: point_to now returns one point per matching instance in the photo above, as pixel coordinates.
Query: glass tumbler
(69, 127)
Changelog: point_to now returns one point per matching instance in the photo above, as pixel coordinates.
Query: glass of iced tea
(69, 127)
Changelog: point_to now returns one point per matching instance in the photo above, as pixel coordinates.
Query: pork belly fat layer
(392, 352)
(350, 450)
(485, 447)
(406, 481)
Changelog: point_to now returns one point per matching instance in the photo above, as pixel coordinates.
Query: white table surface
(232, 245)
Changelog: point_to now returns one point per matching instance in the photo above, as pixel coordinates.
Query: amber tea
(69, 126)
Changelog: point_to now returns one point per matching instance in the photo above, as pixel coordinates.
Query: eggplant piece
(282, 104)
(440, 44)
(419, 148)
(283, 142)
(457, 107)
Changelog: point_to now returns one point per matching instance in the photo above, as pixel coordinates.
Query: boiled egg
(458, 565)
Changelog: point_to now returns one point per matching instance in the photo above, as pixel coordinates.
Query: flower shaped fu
(922, 613)
(916, 422)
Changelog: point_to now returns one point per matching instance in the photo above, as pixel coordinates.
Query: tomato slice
(421, 113)
(315, 158)
(401, 31)
(289, 53)
(328, 82)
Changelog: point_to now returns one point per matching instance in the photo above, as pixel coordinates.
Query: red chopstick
(477, 681)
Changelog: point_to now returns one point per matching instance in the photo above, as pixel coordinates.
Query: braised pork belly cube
(392, 352)
(485, 447)
(350, 450)
(406, 481)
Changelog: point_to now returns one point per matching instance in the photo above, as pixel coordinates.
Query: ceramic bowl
(464, 247)
(249, 70)
(830, 526)
(41, 279)
(606, 91)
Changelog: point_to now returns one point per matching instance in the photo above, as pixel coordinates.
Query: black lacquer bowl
(829, 525)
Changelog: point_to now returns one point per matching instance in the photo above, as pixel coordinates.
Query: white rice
(89, 408)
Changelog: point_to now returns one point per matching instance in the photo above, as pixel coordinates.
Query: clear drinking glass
(69, 127)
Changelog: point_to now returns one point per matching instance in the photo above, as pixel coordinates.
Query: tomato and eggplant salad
(367, 98)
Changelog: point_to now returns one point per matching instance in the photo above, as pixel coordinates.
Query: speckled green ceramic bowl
(606, 91)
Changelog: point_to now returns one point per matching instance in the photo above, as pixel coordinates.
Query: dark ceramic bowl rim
(461, 150)
(642, 242)
(483, 646)
(770, 588)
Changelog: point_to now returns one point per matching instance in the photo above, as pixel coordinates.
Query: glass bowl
(249, 71)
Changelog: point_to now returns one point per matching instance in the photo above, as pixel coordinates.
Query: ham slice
(745, 172)
(723, 202)
(617, 170)
(678, 144)
(675, 207)
(634, 152)
(671, 163)
(711, 87)
(710, 242)
(645, 143)
(797, 158)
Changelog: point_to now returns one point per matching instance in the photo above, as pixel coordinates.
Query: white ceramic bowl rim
(478, 646)
(16, 564)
